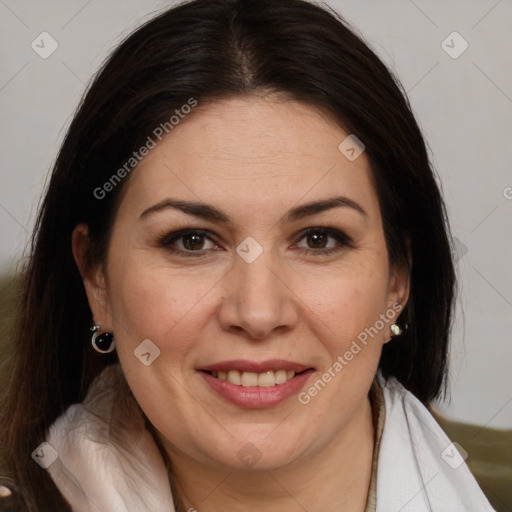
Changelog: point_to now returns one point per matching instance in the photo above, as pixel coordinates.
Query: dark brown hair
(207, 50)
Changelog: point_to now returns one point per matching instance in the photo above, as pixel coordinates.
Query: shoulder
(418, 438)
(489, 456)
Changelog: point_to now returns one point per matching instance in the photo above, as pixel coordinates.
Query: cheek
(156, 303)
(150, 303)
(345, 314)
(346, 301)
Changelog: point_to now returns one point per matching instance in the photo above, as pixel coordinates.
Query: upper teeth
(264, 380)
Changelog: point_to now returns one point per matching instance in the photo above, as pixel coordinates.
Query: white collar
(107, 460)
(115, 466)
(419, 468)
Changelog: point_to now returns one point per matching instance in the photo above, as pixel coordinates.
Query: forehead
(252, 153)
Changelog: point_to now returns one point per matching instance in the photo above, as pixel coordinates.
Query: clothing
(420, 469)
(108, 460)
(378, 404)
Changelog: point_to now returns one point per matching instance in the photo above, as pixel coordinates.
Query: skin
(255, 158)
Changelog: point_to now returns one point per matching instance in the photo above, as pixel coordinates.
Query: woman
(240, 289)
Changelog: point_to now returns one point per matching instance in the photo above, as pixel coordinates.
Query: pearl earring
(395, 330)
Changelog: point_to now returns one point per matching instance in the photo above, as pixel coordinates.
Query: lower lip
(254, 397)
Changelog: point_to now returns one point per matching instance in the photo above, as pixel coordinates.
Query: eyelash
(343, 240)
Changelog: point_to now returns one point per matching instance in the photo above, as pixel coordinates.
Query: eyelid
(167, 240)
(342, 239)
(333, 232)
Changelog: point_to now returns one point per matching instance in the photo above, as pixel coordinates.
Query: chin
(255, 453)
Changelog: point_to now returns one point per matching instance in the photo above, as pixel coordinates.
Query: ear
(93, 277)
(398, 289)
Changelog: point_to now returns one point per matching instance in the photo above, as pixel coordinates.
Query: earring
(395, 330)
(102, 341)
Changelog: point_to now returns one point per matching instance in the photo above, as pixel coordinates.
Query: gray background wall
(463, 104)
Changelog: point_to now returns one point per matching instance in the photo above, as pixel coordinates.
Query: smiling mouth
(251, 379)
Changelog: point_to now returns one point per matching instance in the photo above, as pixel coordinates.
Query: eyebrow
(208, 212)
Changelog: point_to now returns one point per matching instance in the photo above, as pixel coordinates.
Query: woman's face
(247, 295)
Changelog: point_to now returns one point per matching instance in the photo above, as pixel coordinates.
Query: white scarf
(419, 470)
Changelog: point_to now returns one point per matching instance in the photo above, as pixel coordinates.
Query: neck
(335, 478)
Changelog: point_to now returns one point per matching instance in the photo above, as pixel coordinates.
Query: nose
(257, 300)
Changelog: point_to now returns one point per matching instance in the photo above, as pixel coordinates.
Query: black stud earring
(102, 341)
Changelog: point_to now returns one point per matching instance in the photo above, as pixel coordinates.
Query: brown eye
(317, 240)
(193, 242)
(323, 241)
(188, 242)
